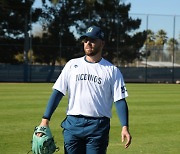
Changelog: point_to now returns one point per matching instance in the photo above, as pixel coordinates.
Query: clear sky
(160, 15)
(165, 7)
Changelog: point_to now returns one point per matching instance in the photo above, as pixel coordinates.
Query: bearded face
(92, 46)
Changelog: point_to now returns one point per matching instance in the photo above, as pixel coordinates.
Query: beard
(89, 51)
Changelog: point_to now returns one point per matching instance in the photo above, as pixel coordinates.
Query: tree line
(62, 23)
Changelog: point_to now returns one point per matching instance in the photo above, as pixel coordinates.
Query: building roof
(160, 64)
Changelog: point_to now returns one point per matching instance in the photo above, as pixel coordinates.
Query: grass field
(154, 118)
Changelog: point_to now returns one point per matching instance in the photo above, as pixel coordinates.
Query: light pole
(26, 48)
(173, 59)
(146, 69)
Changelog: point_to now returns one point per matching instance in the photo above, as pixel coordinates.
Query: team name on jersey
(88, 77)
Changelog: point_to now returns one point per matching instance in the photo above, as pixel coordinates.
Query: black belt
(89, 117)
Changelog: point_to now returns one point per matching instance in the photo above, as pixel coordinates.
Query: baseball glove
(44, 144)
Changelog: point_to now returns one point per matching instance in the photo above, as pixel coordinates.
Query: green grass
(154, 111)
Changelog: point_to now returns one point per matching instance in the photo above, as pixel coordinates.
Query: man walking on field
(92, 84)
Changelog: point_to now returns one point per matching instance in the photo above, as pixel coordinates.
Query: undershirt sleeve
(122, 112)
(52, 104)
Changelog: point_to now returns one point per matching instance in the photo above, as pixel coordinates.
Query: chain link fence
(161, 64)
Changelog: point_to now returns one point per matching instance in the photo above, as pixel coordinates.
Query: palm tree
(172, 47)
(161, 39)
(150, 43)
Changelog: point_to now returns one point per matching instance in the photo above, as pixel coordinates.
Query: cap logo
(89, 30)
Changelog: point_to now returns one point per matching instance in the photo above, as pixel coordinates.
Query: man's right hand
(44, 122)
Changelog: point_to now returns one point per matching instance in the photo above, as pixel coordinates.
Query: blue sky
(160, 14)
(165, 7)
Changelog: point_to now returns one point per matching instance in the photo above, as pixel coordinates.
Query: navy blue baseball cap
(94, 32)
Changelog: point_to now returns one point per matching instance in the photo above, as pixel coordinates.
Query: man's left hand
(126, 136)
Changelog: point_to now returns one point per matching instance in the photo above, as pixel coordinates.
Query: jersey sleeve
(119, 90)
(61, 83)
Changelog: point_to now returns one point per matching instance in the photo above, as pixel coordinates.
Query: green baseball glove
(44, 144)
